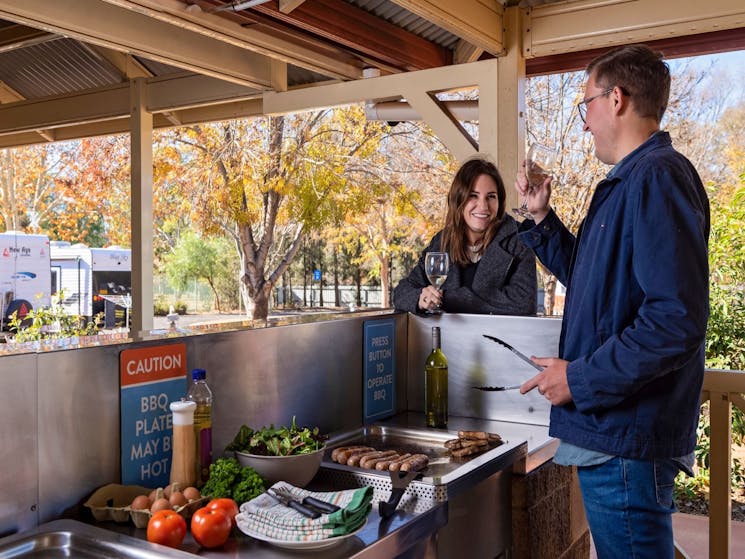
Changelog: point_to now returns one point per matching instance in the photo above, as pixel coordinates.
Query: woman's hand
(538, 198)
(430, 298)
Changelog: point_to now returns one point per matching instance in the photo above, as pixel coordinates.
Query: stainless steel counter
(404, 534)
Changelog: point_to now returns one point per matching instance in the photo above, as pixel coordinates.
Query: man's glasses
(582, 105)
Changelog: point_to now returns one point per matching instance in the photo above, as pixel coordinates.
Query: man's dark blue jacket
(636, 308)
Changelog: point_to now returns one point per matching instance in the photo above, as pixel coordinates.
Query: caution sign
(150, 379)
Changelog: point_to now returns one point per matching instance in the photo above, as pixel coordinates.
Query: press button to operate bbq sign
(379, 369)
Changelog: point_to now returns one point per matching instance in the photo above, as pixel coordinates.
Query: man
(626, 387)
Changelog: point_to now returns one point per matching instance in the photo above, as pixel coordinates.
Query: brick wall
(548, 519)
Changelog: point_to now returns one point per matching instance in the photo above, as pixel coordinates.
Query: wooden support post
(142, 208)
(720, 505)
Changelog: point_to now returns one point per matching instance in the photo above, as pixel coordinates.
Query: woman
(491, 271)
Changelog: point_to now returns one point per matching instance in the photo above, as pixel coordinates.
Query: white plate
(288, 544)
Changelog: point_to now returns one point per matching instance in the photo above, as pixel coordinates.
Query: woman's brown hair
(454, 238)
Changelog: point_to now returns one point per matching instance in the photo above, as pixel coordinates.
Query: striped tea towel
(266, 516)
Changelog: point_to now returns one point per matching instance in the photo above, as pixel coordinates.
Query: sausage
(383, 465)
(473, 435)
(342, 457)
(396, 465)
(344, 453)
(337, 450)
(452, 444)
(415, 463)
(479, 444)
(370, 460)
(468, 451)
(354, 459)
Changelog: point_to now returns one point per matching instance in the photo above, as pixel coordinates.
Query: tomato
(210, 527)
(228, 505)
(166, 527)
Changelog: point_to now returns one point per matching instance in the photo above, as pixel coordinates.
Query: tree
(267, 182)
(73, 191)
(202, 259)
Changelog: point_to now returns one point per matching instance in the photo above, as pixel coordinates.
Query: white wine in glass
(436, 266)
(539, 164)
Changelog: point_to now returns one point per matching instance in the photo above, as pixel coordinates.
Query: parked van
(25, 277)
(93, 280)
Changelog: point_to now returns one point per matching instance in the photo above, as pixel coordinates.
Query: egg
(192, 494)
(177, 499)
(141, 502)
(161, 504)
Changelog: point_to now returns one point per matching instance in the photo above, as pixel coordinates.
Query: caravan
(93, 280)
(25, 280)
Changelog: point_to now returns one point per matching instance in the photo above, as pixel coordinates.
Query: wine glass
(436, 266)
(539, 163)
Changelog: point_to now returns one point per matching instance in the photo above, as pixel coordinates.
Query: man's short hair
(640, 72)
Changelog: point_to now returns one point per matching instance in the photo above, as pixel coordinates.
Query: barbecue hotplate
(444, 476)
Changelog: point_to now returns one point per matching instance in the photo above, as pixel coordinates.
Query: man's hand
(538, 199)
(551, 381)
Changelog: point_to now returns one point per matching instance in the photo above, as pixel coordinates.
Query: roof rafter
(126, 30)
(230, 27)
(345, 24)
(478, 22)
(19, 36)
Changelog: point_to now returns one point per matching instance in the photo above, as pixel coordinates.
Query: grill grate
(419, 497)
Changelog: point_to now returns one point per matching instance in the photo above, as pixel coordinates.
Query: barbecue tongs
(516, 352)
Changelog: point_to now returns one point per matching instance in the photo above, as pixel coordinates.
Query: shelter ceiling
(74, 59)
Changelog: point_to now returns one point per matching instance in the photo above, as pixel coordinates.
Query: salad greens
(280, 441)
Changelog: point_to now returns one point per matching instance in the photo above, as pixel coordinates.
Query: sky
(730, 65)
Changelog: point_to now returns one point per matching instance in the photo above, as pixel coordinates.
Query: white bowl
(297, 469)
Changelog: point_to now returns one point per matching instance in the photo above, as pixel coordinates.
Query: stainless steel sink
(70, 538)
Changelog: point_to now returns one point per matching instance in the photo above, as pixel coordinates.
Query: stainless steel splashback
(475, 361)
(59, 422)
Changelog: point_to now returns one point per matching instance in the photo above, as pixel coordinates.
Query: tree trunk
(549, 293)
(337, 298)
(385, 280)
(358, 275)
(215, 293)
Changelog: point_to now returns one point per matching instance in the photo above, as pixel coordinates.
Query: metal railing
(722, 389)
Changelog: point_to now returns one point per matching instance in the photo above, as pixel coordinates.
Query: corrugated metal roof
(401, 17)
(55, 67)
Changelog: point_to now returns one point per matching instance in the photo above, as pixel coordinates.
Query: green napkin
(264, 515)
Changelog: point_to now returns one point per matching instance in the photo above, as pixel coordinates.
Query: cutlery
(513, 350)
(308, 501)
(312, 502)
(306, 511)
(496, 388)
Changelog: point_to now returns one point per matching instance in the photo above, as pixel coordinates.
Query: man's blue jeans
(629, 504)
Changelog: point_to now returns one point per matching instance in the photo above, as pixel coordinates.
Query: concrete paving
(691, 532)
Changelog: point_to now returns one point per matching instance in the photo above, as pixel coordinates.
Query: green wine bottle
(436, 384)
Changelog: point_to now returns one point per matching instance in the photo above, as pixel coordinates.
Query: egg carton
(111, 503)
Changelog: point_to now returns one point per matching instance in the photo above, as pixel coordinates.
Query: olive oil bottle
(201, 394)
(436, 384)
